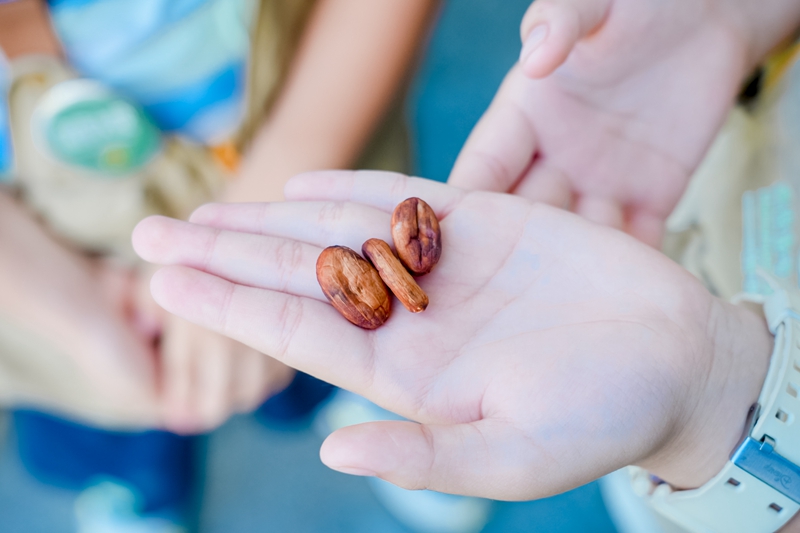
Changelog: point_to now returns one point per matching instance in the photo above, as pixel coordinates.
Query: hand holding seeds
(554, 350)
(358, 291)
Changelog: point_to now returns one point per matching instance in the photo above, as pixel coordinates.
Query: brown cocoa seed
(394, 274)
(416, 234)
(353, 287)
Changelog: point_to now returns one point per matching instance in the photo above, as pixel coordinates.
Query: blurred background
(258, 475)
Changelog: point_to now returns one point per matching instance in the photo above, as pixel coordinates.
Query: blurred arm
(24, 29)
(352, 58)
(43, 284)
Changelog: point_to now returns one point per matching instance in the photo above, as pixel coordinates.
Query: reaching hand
(104, 371)
(611, 108)
(552, 352)
(205, 377)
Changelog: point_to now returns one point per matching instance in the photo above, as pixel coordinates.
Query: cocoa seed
(394, 274)
(416, 234)
(353, 287)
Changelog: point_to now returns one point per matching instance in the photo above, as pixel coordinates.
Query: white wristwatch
(758, 490)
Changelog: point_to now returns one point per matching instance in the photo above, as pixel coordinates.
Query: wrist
(763, 26)
(737, 349)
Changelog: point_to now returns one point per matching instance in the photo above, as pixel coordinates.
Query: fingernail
(354, 471)
(534, 40)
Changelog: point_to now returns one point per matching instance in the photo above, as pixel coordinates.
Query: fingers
(547, 185)
(604, 211)
(148, 317)
(303, 333)
(249, 374)
(382, 190)
(177, 380)
(256, 378)
(502, 146)
(318, 223)
(644, 225)
(256, 260)
(212, 395)
(483, 458)
(208, 377)
(647, 227)
(552, 28)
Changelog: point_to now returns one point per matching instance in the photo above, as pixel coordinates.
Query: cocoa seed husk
(353, 287)
(416, 235)
(395, 275)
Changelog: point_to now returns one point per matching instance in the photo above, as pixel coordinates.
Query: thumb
(485, 458)
(552, 28)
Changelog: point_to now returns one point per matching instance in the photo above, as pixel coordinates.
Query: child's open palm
(553, 351)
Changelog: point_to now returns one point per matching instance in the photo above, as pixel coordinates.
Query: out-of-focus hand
(117, 354)
(207, 377)
(67, 335)
(553, 350)
(204, 376)
(610, 109)
(94, 363)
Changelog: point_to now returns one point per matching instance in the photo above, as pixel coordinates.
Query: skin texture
(564, 351)
(615, 102)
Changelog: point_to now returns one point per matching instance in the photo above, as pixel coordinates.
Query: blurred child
(149, 110)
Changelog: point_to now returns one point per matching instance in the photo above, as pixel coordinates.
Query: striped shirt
(6, 150)
(183, 61)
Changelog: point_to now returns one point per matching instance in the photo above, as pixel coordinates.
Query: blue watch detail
(759, 459)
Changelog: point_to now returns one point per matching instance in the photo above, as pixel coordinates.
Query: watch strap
(758, 490)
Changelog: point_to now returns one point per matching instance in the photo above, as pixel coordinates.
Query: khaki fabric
(758, 146)
(97, 214)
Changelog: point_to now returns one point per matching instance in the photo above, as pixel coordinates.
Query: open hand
(552, 352)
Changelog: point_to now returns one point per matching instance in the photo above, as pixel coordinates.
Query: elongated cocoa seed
(394, 274)
(416, 234)
(353, 287)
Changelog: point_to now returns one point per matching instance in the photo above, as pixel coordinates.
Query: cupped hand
(610, 109)
(104, 370)
(208, 377)
(204, 377)
(552, 352)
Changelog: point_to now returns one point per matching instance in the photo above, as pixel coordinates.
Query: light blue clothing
(183, 61)
(6, 148)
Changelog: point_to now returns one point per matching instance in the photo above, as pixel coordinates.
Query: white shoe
(110, 507)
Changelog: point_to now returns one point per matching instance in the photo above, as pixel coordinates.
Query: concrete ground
(258, 479)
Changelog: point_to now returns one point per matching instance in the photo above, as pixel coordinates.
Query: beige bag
(758, 147)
